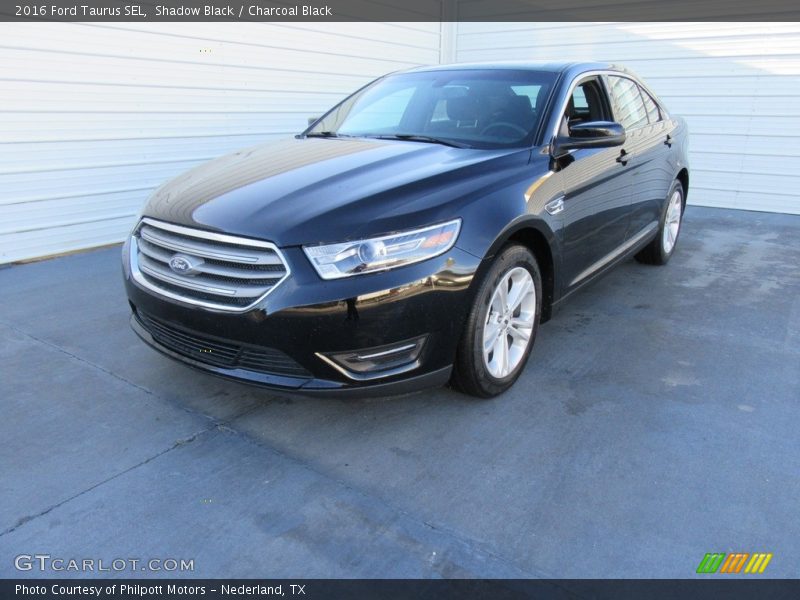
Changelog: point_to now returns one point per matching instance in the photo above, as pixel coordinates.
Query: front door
(597, 191)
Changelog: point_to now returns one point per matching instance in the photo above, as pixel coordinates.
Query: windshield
(486, 108)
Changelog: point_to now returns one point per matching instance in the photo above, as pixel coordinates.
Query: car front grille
(208, 269)
(219, 352)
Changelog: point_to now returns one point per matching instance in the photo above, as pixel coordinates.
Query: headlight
(334, 261)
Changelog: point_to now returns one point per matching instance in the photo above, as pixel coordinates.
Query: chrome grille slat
(161, 255)
(154, 252)
(200, 248)
(210, 286)
(225, 272)
(164, 275)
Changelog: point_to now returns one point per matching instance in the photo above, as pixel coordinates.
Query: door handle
(623, 157)
(668, 141)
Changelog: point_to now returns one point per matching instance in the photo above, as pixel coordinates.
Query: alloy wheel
(672, 224)
(509, 322)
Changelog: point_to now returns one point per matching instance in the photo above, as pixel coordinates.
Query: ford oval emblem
(181, 264)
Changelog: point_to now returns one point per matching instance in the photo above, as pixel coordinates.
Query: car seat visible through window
(463, 110)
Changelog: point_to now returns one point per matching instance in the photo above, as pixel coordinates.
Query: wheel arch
(683, 177)
(540, 241)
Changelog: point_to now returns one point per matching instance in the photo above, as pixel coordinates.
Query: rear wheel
(659, 251)
(501, 326)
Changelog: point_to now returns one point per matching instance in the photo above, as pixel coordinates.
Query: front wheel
(501, 326)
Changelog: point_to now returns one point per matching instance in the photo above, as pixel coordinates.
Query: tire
(486, 374)
(662, 247)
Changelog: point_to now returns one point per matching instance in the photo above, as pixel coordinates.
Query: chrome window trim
(565, 100)
(136, 273)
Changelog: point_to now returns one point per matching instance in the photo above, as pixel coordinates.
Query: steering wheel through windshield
(504, 125)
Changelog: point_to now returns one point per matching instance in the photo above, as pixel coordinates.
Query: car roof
(570, 68)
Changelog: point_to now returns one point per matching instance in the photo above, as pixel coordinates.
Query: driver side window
(586, 103)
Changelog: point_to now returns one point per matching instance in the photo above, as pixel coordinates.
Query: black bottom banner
(325, 589)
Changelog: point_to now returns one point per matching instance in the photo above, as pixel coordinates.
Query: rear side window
(628, 103)
(653, 114)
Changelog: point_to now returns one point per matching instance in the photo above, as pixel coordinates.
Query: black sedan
(417, 233)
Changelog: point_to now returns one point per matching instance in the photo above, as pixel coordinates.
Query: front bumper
(306, 319)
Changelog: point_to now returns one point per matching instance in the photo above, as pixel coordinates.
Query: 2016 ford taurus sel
(417, 233)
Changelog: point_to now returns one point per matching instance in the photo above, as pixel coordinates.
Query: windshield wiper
(412, 137)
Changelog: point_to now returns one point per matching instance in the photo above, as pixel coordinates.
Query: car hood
(301, 191)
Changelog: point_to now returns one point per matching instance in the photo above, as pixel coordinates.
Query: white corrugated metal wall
(737, 84)
(93, 117)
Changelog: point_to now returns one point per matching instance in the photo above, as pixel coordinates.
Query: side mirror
(593, 134)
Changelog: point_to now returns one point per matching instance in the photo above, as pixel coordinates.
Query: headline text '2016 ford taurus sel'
(417, 233)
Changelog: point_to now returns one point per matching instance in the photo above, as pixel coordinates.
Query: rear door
(596, 203)
(649, 147)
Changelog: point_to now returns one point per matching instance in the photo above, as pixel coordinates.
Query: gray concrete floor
(657, 421)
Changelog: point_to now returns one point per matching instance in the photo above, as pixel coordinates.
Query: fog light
(378, 361)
